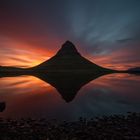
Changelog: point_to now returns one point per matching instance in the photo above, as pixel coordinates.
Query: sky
(105, 31)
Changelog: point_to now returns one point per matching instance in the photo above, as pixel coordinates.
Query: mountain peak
(69, 59)
(68, 48)
(69, 43)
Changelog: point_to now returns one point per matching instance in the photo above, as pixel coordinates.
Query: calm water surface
(29, 96)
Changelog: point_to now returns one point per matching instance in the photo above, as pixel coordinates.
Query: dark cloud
(125, 40)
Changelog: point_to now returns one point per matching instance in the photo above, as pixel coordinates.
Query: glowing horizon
(106, 33)
(25, 56)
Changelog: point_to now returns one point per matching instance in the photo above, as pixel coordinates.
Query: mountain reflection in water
(41, 96)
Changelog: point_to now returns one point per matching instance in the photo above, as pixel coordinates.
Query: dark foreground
(116, 127)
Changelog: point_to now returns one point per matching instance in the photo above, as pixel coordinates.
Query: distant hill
(7, 68)
(69, 59)
(134, 70)
(6, 71)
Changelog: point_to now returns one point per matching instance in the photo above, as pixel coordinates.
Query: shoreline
(105, 127)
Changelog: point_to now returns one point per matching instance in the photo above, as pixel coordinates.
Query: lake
(69, 97)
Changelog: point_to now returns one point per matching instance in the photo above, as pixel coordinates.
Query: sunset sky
(105, 31)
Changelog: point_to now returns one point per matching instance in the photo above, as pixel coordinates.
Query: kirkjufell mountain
(69, 59)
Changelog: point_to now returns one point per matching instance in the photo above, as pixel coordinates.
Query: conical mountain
(68, 59)
(67, 48)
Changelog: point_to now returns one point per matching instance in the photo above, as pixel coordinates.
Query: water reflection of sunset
(119, 84)
(28, 96)
(23, 84)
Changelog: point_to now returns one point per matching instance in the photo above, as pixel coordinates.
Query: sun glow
(21, 55)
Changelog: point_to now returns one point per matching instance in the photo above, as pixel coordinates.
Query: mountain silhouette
(68, 48)
(67, 84)
(69, 59)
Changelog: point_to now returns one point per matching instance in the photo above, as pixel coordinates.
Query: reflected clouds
(28, 96)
